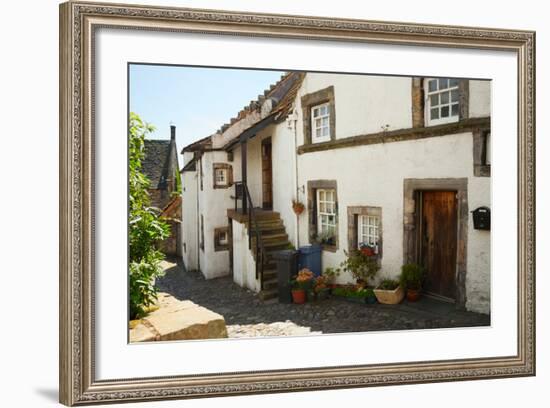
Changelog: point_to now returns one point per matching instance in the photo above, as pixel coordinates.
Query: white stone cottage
(397, 162)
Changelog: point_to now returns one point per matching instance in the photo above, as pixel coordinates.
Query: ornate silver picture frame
(78, 24)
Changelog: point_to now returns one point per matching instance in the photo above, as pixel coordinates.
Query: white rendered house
(396, 162)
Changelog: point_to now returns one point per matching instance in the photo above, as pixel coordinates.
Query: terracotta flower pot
(299, 296)
(413, 295)
(368, 251)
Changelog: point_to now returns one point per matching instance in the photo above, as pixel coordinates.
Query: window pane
(325, 121)
(321, 195)
(454, 95)
(445, 112)
(443, 83)
(315, 112)
(453, 82)
(325, 131)
(444, 98)
(432, 85)
(318, 133)
(454, 110)
(434, 113)
(434, 100)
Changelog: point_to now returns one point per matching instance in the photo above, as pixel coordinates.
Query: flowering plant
(303, 280)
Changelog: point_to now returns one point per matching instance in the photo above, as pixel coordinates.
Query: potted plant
(389, 292)
(370, 296)
(300, 284)
(297, 207)
(321, 288)
(330, 274)
(325, 238)
(368, 250)
(411, 279)
(363, 267)
(355, 294)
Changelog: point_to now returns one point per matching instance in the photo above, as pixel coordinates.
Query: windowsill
(220, 248)
(329, 248)
(435, 122)
(219, 186)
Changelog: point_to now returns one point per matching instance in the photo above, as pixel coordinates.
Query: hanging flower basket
(298, 207)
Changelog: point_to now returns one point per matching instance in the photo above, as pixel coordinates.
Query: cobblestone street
(246, 315)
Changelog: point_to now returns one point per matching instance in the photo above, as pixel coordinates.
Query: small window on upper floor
(223, 175)
(442, 101)
(320, 123)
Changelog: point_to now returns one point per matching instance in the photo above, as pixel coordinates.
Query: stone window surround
(353, 225)
(325, 95)
(312, 186)
(419, 101)
(481, 169)
(218, 246)
(410, 214)
(229, 169)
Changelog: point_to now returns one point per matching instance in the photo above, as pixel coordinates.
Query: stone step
(275, 236)
(270, 284)
(270, 243)
(270, 274)
(268, 294)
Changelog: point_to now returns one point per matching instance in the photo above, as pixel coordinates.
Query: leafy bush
(388, 284)
(411, 276)
(146, 228)
(360, 265)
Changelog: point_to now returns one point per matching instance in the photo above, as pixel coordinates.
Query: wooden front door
(438, 231)
(267, 176)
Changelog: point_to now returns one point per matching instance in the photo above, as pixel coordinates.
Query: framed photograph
(254, 203)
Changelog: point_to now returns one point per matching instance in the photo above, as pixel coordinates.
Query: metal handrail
(252, 220)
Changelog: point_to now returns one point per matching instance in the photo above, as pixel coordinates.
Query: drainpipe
(291, 123)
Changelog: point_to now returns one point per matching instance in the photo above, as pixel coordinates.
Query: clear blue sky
(197, 100)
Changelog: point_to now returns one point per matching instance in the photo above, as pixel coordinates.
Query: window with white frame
(326, 214)
(368, 232)
(320, 123)
(442, 100)
(223, 238)
(223, 177)
(220, 176)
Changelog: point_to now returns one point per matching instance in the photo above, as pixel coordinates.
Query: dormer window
(442, 101)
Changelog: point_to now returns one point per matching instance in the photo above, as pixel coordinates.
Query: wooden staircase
(274, 238)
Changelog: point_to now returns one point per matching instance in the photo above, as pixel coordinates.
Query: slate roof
(156, 162)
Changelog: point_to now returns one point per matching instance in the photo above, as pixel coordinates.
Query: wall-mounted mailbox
(482, 218)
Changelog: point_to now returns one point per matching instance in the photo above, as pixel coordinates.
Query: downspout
(291, 123)
(198, 221)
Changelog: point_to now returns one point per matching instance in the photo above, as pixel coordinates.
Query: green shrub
(146, 228)
(411, 276)
(388, 284)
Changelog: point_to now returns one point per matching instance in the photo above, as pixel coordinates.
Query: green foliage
(331, 274)
(360, 265)
(411, 276)
(353, 292)
(145, 226)
(388, 284)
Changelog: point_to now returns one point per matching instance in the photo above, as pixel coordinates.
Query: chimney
(173, 132)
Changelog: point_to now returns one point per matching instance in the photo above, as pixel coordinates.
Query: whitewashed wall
(480, 99)
(189, 224)
(244, 266)
(373, 175)
(363, 103)
(213, 205)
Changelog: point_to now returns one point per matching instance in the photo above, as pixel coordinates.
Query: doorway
(438, 226)
(267, 175)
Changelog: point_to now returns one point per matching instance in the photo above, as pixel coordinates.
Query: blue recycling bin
(309, 256)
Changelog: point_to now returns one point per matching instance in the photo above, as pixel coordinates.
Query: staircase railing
(242, 192)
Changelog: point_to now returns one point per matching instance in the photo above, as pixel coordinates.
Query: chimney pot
(172, 132)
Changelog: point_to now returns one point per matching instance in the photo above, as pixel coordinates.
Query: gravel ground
(246, 315)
